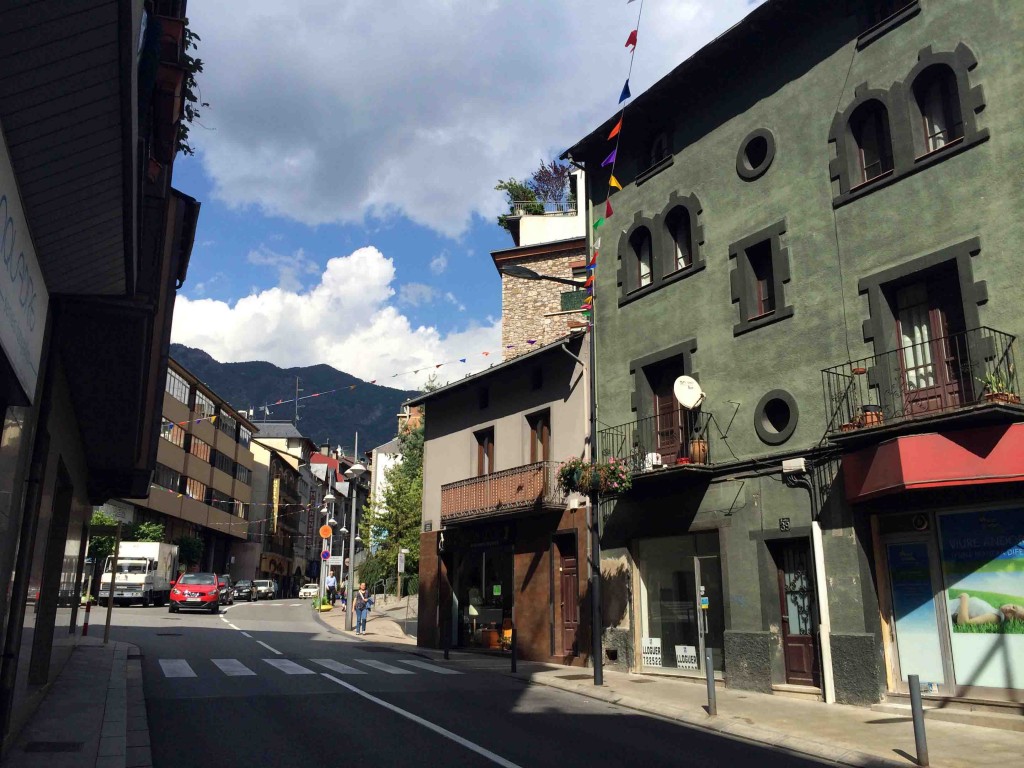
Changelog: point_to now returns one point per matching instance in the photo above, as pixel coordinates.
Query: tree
(548, 182)
(101, 547)
(147, 532)
(190, 550)
(392, 522)
(193, 97)
(521, 200)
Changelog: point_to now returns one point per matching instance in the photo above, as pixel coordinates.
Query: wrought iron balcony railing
(510, 490)
(928, 377)
(679, 437)
(544, 207)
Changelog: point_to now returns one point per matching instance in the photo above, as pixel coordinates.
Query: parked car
(309, 590)
(244, 590)
(266, 589)
(196, 591)
(227, 594)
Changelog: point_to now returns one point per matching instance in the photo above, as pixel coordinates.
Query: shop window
(937, 100)
(177, 387)
(484, 452)
(681, 235)
(540, 436)
(172, 433)
(869, 127)
(759, 277)
(204, 406)
(643, 253)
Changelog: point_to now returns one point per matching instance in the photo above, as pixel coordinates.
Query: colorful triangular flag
(625, 92)
(589, 282)
(597, 246)
(608, 209)
(613, 182)
(610, 159)
(462, 359)
(599, 223)
(616, 129)
(631, 40)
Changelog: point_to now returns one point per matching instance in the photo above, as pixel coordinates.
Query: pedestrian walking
(332, 587)
(362, 603)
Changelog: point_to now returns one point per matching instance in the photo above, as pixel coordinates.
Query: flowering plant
(615, 476)
(575, 475)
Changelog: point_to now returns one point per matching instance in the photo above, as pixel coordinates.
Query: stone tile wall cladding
(526, 302)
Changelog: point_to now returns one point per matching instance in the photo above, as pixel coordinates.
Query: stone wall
(526, 302)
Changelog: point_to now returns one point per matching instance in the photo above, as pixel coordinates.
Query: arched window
(869, 126)
(640, 241)
(678, 225)
(938, 101)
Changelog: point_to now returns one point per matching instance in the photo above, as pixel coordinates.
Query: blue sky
(347, 162)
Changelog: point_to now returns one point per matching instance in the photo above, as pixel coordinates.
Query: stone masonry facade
(526, 304)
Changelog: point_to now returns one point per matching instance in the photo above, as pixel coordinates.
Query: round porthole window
(775, 417)
(756, 153)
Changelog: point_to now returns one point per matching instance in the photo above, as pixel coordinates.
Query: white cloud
(326, 111)
(439, 263)
(450, 298)
(416, 294)
(346, 320)
(290, 267)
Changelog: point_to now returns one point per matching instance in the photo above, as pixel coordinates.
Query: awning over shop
(936, 460)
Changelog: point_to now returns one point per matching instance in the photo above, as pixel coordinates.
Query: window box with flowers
(611, 477)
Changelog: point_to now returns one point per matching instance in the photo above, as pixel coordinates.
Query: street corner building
(95, 242)
(818, 222)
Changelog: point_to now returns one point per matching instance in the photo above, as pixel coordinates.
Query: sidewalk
(94, 714)
(838, 734)
(387, 622)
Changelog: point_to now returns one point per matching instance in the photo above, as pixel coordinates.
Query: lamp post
(325, 510)
(592, 514)
(352, 473)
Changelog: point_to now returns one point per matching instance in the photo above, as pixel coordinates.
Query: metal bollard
(709, 668)
(85, 625)
(920, 738)
(514, 654)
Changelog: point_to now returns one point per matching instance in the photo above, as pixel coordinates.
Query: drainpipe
(806, 481)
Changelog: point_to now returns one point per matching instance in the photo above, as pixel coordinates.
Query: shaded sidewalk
(94, 714)
(390, 621)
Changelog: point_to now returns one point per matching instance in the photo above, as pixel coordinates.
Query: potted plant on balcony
(575, 475)
(871, 415)
(614, 477)
(699, 446)
(999, 386)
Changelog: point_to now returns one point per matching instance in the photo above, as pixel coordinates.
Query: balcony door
(669, 425)
(932, 355)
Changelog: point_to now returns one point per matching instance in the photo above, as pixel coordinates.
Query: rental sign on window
(23, 296)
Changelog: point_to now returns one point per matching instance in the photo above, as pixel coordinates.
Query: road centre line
(245, 633)
(498, 759)
(269, 648)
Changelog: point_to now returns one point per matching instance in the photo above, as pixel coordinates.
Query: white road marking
(233, 667)
(295, 605)
(384, 667)
(498, 759)
(337, 666)
(233, 626)
(289, 667)
(269, 648)
(176, 668)
(429, 667)
(245, 633)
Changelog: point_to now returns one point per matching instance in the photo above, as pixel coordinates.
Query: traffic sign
(325, 555)
(336, 560)
(325, 531)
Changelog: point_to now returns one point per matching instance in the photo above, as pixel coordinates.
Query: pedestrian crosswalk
(183, 668)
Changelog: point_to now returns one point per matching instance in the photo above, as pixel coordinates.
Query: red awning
(936, 460)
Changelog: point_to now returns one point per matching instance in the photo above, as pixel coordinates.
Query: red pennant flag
(616, 129)
(439, 365)
(485, 354)
(631, 40)
(607, 209)
(590, 282)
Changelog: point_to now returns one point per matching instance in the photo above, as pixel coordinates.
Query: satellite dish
(688, 392)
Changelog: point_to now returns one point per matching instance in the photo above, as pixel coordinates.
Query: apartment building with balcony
(819, 223)
(502, 545)
(202, 481)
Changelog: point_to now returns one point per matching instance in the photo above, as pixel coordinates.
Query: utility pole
(297, 390)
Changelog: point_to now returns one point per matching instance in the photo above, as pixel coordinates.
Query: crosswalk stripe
(232, 667)
(385, 667)
(289, 667)
(176, 668)
(429, 667)
(337, 666)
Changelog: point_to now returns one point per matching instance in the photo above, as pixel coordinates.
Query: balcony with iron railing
(969, 376)
(520, 489)
(566, 207)
(656, 443)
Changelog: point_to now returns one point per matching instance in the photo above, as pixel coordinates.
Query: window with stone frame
(869, 127)
(681, 237)
(938, 103)
(643, 251)
(758, 278)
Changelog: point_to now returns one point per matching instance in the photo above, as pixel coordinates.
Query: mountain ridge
(369, 409)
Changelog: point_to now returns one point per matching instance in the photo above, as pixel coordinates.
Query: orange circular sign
(325, 531)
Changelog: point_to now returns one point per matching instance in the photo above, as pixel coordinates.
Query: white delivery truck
(145, 570)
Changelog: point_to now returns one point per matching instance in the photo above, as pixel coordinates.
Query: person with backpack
(362, 603)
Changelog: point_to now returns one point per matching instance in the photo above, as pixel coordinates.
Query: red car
(195, 590)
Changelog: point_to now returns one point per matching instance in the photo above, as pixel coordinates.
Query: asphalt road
(265, 684)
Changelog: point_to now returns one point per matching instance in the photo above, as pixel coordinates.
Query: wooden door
(796, 595)
(570, 600)
(668, 424)
(932, 347)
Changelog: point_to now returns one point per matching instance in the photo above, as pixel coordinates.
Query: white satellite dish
(688, 392)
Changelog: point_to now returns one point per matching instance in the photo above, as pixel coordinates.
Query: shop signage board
(686, 657)
(651, 651)
(23, 295)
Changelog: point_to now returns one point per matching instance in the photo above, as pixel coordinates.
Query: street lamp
(325, 510)
(525, 273)
(353, 474)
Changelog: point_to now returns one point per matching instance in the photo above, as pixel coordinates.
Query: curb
(750, 734)
(136, 726)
